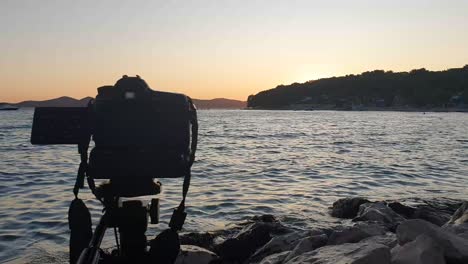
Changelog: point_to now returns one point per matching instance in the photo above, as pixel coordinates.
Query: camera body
(138, 133)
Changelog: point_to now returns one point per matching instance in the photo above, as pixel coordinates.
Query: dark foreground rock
(458, 223)
(454, 247)
(423, 250)
(306, 245)
(248, 240)
(204, 240)
(379, 212)
(278, 244)
(425, 212)
(355, 233)
(351, 253)
(190, 254)
(347, 207)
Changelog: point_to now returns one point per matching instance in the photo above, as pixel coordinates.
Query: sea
(291, 164)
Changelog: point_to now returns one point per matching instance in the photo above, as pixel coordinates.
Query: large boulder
(379, 212)
(455, 248)
(431, 215)
(355, 233)
(353, 253)
(347, 207)
(204, 240)
(190, 254)
(278, 244)
(307, 244)
(458, 223)
(389, 239)
(402, 209)
(460, 217)
(423, 250)
(277, 258)
(266, 218)
(253, 236)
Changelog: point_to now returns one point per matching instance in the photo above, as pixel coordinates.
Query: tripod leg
(79, 220)
(91, 254)
(165, 247)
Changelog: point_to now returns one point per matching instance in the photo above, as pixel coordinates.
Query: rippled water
(289, 163)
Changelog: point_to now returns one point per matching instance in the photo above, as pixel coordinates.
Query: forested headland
(418, 88)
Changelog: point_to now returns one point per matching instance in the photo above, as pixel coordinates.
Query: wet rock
(401, 209)
(379, 212)
(307, 244)
(389, 240)
(431, 215)
(355, 233)
(250, 238)
(347, 207)
(278, 244)
(355, 253)
(436, 215)
(445, 205)
(277, 258)
(455, 248)
(190, 254)
(423, 250)
(460, 217)
(458, 223)
(204, 240)
(267, 218)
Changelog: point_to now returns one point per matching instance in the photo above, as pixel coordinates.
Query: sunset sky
(210, 49)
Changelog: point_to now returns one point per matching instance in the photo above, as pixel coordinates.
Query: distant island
(418, 89)
(65, 101)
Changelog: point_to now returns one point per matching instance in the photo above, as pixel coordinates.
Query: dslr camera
(139, 135)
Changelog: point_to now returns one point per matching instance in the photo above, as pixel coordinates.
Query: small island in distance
(65, 101)
(417, 90)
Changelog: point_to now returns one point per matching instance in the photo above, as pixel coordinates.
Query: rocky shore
(371, 232)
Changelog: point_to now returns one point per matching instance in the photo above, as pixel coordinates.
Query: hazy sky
(210, 49)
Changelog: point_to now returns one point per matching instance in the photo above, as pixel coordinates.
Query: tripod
(130, 218)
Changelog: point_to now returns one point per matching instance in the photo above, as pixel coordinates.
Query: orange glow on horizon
(220, 49)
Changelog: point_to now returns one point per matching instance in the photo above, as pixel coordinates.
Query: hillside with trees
(418, 88)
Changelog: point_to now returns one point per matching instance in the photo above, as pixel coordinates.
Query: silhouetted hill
(65, 101)
(417, 88)
(220, 103)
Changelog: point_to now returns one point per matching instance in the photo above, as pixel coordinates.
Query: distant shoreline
(367, 109)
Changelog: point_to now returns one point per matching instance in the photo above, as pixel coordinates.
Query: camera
(139, 134)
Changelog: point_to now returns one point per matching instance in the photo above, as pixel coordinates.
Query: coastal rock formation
(378, 212)
(352, 253)
(248, 240)
(388, 239)
(277, 258)
(355, 233)
(455, 248)
(423, 250)
(460, 217)
(404, 210)
(380, 233)
(458, 224)
(307, 244)
(278, 244)
(190, 254)
(204, 240)
(431, 214)
(347, 207)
